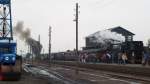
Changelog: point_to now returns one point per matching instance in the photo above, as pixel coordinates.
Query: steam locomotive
(133, 49)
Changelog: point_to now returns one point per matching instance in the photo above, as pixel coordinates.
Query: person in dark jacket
(146, 58)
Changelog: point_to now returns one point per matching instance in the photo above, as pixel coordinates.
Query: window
(5, 50)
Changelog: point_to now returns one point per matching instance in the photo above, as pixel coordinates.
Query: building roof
(122, 31)
(119, 30)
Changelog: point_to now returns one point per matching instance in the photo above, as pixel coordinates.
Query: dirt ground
(28, 79)
(68, 76)
(89, 76)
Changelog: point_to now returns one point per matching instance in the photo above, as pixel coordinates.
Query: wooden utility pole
(39, 39)
(31, 54)
(76, 20)
(77, 26)
(39, 55)
(49, 54)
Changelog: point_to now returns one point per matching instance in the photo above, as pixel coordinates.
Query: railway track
(117, 75)
(111, 74)
(52, 75)
(66, 72)
(134, 70)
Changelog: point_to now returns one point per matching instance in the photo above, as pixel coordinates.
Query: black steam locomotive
(133, 49)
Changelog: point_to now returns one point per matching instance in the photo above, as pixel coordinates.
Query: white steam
(106, 36)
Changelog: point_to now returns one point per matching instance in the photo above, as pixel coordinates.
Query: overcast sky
(95, 15)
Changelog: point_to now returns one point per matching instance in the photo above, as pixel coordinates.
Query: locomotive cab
(7, 53)
(10, 62)
(134, 50)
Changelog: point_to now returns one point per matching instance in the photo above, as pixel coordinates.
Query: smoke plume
(103, 36)
(25, 36)
(106, 38)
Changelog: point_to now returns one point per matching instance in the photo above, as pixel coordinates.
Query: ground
(28, 79)
(56, 74)
(92, 77)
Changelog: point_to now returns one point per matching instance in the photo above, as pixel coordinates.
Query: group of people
(83, 57)
(89, 57)
(107, 57)
(123, 58)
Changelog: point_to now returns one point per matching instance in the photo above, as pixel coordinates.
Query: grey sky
(94, 15)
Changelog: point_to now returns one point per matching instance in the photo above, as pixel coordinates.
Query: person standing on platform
(108, 57)
(84, 58)
(146, 58)
(124, 58)
(80, 57)
(119, 58)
